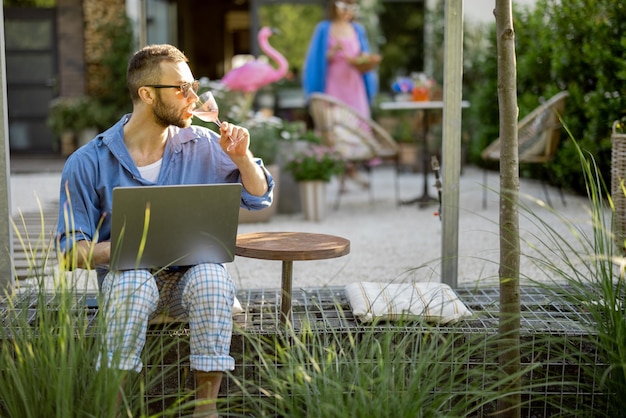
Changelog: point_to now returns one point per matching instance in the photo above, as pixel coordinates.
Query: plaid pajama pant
(202, 294)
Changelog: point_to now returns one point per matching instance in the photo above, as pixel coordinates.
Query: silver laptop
(183, 225)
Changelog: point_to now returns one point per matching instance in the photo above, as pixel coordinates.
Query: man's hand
(90, 255)
(252, 176)
(237, 137)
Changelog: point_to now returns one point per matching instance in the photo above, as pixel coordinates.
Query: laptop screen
(181, 225)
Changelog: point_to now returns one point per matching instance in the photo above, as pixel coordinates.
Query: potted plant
(313, 168)
(62, 113)
(76, 120)
(316, 163)
(404, 134)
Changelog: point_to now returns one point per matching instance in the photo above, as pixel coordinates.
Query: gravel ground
(388, 242)
(391, 243)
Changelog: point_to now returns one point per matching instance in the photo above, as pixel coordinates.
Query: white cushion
(237, 308)
(430, 302)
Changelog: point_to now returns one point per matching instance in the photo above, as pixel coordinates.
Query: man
(156, 144)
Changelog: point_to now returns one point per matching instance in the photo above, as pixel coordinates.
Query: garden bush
(578, 45)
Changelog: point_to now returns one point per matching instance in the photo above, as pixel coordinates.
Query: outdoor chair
(359, 140)
(539, 134)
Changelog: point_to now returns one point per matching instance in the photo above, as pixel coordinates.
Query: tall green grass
(47, 360)
(400, 370)
(586, 262)
(408, 371)
(50, 341)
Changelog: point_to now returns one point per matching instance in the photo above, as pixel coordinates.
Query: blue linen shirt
(192, 156)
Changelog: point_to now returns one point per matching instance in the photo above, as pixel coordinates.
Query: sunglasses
(346, 7)
(184, 88)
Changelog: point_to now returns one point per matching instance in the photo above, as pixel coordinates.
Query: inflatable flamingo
(255, 74)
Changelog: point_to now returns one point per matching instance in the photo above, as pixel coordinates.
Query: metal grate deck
(549, 323)
(543, 310)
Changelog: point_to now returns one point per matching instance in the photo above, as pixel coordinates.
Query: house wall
(96, 14)
(481, 11)
(80, 45)
(71, 54)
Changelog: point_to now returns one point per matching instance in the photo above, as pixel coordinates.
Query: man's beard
(166, 116)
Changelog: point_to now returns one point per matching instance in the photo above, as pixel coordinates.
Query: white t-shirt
(151, 171)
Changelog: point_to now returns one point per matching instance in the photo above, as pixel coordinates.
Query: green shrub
(578, 45)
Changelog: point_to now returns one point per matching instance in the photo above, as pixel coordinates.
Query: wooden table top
(291, 246)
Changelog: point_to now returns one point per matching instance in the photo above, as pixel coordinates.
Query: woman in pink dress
(332, 62)
(343, 80)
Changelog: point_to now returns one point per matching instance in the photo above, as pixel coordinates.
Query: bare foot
(205, 411)
(208, 384)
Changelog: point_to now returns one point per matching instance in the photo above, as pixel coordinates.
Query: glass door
(31, 77)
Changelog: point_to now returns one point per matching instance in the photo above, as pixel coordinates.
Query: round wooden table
(289, 247)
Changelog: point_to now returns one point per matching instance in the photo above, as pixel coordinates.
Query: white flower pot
(313, 199)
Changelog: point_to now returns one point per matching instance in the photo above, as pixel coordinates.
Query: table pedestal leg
(285, 297)
(425, 198)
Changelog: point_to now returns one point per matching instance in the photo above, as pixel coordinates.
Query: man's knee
(209, 276)
(209, 282)
(131, 283)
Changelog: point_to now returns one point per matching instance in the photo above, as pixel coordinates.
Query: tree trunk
(509, 334)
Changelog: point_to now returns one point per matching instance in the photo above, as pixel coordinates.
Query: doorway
(31, 77)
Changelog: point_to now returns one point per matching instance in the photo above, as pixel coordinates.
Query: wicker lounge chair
(358, 139)
(538, 139)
